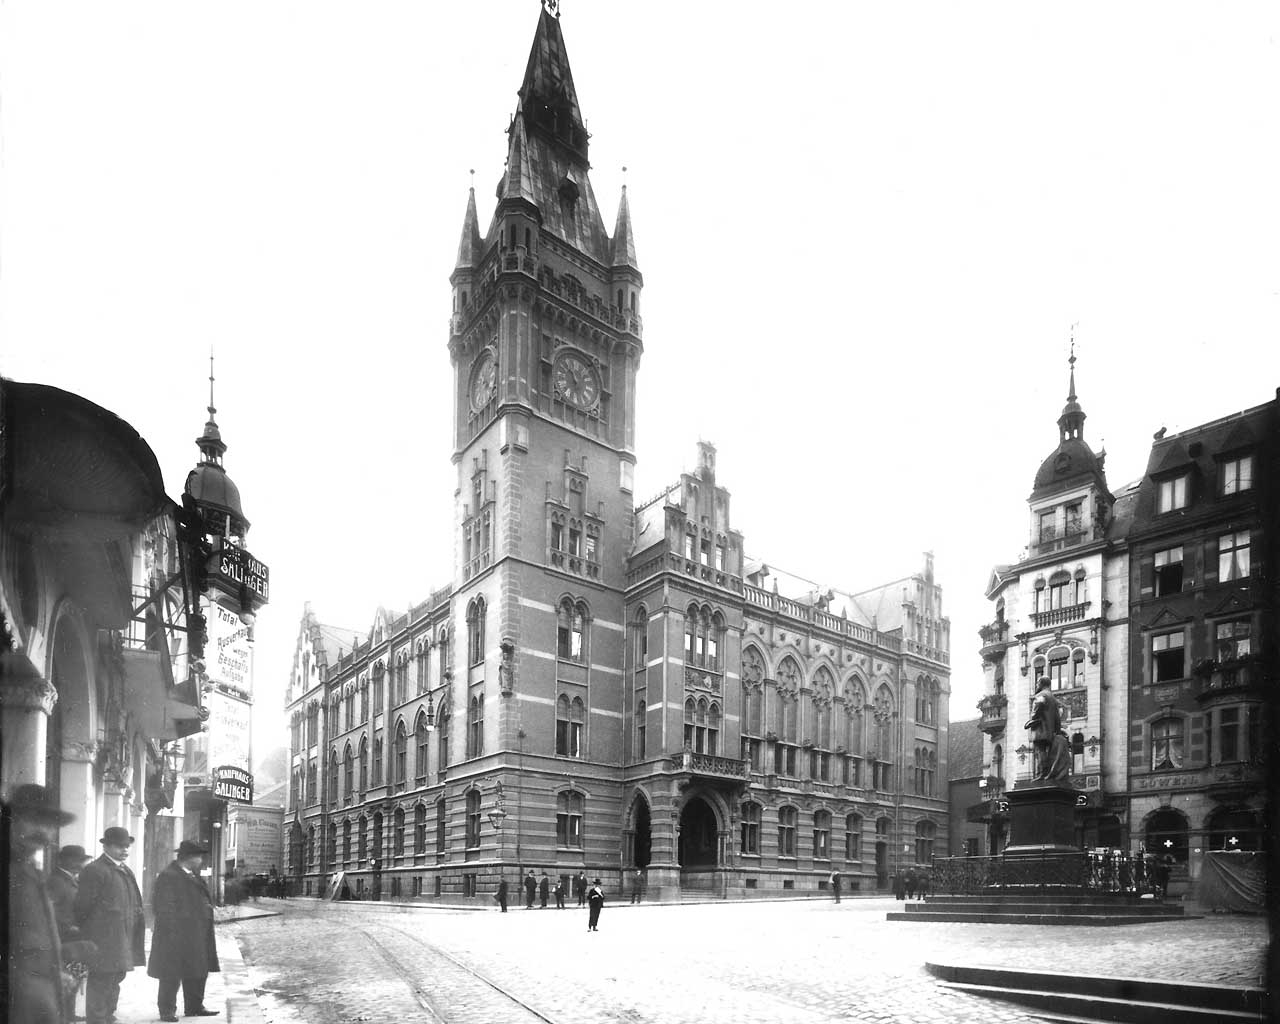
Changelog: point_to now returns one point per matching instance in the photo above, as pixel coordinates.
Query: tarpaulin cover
(1235, 880)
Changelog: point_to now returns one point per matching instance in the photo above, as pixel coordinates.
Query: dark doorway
(698, 835)
(644, 837)
(882, 865)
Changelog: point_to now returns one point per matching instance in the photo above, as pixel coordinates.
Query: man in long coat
(182, 945)
(34, 958)
(63, 884)
(108, 910)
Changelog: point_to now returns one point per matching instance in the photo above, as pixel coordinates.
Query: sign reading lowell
(233, 784)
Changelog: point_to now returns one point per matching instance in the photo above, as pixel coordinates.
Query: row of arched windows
(825, 845)
(925, 772)
(360, 771)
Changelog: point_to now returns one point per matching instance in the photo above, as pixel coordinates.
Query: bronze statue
(1053, 752)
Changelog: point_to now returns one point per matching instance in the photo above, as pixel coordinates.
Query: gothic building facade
(604, 685)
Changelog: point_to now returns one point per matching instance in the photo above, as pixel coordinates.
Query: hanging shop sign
(238, 569)
(231, 783)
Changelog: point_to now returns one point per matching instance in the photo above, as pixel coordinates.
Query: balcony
(1228, 680)
(995, 639)
(1236, 782)
(1051, 540)
(1060, 616)
(994, 708)
(710, 766)
(576, 564)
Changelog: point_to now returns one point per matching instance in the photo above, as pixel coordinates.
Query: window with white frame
(750, 822)
(1233, 555)
(1168, 571)
(786, 831)
(1232, 640)
(1168, 656)
(821, 835)
(1237, 474)
(570, 720)
(569, 819)
(1171, 494)
(1166, 743)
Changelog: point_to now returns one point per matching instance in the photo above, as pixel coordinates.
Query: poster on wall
(229, 719)
(229, 652)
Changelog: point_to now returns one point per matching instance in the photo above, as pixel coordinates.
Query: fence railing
(1114, 871)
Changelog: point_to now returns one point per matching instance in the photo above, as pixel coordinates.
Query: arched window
(853, 837)
(377, 758)
(400, 755)
(475, 631)
(713, 728)
(443, 717)
(422, 665)
(333, 776)
(377, 848)
(640, 638)
(441, 827)
(997, 761)
(401, 682)
(349, 706)
(473, 819)
(475, 726)
(1234, 829)
(331, 844)
(569, 819)
(750, 817)
(346, 841)
(397, 833)
(570, 719)
(641, 726)
(715, 638)
(925, 833)
(421, 738)
(442, 645)
(379, 681)
(570, 631)
(419, 830)
(786, 831)
(690, 718)
(821, 835)
(362, 838)
(348, 772)
(364, 698)
(823, 689)
(364, 763)
(1166, 834)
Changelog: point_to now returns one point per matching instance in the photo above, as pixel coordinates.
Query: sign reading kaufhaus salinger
(230, 783)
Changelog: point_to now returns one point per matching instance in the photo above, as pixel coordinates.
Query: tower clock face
(484, 380)
(576, 381)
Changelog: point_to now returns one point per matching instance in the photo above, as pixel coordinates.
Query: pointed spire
(517, 179)
(547, 95)
(624, 244)
(1071, 422)
(470, 245)
(210, 442)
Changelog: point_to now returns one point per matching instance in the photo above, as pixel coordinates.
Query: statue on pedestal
(1052, 749)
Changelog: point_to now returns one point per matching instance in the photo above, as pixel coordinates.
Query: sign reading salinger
(240, 569)
(233, 784)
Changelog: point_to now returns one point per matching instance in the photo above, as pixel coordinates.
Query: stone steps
(1063, 997)
(1049, 909)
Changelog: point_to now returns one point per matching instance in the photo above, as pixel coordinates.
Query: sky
(868, 234)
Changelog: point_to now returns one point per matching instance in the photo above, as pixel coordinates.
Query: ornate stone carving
(82, 752)
(30, 693)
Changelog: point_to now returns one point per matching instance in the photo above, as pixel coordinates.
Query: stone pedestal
(1042, 818)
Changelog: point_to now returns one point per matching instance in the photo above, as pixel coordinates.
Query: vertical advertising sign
(230, 672)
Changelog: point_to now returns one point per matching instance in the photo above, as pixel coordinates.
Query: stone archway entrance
(642, 834)
(699, 836)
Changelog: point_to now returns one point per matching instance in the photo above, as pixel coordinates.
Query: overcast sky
(866, 232)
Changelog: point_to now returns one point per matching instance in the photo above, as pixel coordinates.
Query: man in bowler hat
(595, 903)
(63, 884)
(108, 911)
(34, 962)
(182, 945)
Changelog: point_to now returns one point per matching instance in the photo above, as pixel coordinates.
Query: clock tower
(545, 342)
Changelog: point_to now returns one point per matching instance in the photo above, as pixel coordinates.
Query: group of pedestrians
(84, 923)
(542, 888)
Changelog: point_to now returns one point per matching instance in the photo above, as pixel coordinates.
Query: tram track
(444, 1015)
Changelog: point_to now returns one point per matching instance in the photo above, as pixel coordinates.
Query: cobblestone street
(801, 962)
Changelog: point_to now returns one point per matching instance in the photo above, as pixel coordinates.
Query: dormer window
(1171, 494)
(1237, 475)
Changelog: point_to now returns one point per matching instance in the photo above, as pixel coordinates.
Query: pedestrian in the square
(183, 952)
(109, 914)
(544, 890)
(530, 889)
(502, 895)
(637, 885)
(34, 960)
(909, 882)
(560, 887)
(595, 903)
(580, 887)
(63, 884)
(899, 887)
(835, 885)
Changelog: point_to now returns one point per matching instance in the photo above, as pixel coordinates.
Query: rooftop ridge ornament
(552, 7)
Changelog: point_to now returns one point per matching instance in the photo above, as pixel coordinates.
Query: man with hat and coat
(182, 944)
(32, 818)
(63, 884)
(108, 910)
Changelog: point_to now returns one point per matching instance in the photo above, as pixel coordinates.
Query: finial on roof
(1071, 396)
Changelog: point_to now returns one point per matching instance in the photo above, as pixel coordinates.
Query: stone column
(79, 794)
(26, 701)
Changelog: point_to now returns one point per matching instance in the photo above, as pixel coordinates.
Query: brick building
(604, 685)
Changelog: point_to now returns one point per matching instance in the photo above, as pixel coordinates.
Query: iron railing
(1112, 871)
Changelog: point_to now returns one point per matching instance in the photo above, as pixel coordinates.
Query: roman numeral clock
(576, 380)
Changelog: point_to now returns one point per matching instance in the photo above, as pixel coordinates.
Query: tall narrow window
(570, 717)
(1166, 743)
(570, 625)
(641, 726)
(821, 835)
(397, 833)
(925, 832)
(421, 742)
(475, 631)
(401, 754)
(475, 726)
(750, 829)
(1167, 656)
(419, 830)
(443, 717)
(1168, 571)
(569, 819)
(441, 823)
(853, 837)
(348, 772)
(1233, 555)
(786, 831)
(1237, 475)
(473, 819)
